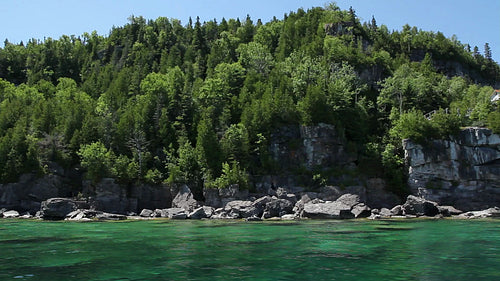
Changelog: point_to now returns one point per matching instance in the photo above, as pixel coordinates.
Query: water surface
(235, 250)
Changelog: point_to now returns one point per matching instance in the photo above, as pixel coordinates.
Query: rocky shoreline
(280, 206)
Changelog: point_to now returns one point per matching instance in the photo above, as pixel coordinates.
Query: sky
(473, 22)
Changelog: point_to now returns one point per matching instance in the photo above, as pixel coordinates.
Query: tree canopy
(159, 101)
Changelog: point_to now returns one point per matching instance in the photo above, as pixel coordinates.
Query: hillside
(206, 103)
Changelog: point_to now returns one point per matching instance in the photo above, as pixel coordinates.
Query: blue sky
(474, 22)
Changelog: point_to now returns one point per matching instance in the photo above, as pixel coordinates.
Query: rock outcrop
(463, 172)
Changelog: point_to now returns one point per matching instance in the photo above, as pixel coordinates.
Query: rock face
(313, 146)
(219, 197)
(57, 208)
(463, 172)
(114, 198)
(29, 192)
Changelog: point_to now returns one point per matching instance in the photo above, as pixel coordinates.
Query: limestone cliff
(463, 172)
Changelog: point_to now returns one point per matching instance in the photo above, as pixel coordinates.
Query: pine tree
(487, 52)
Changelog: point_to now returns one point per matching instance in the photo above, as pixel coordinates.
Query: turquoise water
(217, 250)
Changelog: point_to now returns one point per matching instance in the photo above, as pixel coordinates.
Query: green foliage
(412, 125)
(494, 121)
(200, 104)
(97, 160)
(231, 174)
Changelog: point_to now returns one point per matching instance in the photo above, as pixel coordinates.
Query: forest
(158, 101)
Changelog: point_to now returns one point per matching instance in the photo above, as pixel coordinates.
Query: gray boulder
(109, 216)
(176, 213)
(87, 215)
(397, 210)
(261, 202)
(448, 211)
(288, 217)
(420, 207)
(361, 211)
(306, 198)
(240, 209)
(277, 208)
(349, 199)
(157, 213)
(253, 218)
(488, 213)
(11, 214)
(327, 210)
(185, 200)
(57, 208)
(385, 213)
(202, 213)
(146, 213)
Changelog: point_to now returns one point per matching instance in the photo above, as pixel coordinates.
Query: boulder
(420, 207)
(185, 200)
(397, 210)
(288, 217)
(87, 215)
(260, 203)
(277, 208)
(327, 210)
(253, 218)
(157, 213)
(109, 216)
(201, 213)
(282, 193)
(11, 214)
(76, 215)
(240, 209)
(26, 215)
(176, 213)
(488, 213)
(448, 211)
(361, 211)
(57, 208)
(306, 198)
(349, 199)
(146, 213)
(385, 213)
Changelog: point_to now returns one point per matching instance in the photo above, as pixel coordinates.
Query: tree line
(158, 101)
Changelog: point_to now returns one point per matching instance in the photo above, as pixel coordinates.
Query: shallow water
(235, 250)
